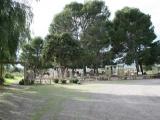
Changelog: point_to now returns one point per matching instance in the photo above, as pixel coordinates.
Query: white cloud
(45, 10)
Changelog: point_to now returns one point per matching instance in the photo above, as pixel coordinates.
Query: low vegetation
(13, 78)
(8, 75)
(38, 101)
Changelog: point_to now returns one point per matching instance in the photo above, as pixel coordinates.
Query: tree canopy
(133, 34)
(32, 54)
(15, 19)
(87, 23)
(62, 49)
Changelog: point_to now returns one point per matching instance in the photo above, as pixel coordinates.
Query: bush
(56, 80)
(1, 81)
(8, 75)
(76, 81)
(64, 81)
(21, 82)
(27, 82)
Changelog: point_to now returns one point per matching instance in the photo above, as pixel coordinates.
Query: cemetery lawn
(126, 100)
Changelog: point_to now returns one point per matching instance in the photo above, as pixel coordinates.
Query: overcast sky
(45, 10)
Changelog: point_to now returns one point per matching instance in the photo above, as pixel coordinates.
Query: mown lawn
(36, 102)
(53, 98)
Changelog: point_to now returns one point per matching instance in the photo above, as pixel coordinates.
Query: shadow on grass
(52, 102)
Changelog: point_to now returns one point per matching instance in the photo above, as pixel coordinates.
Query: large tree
(32, 54)
(15, 18)
(133, 34)
(61, 49)
(87, 23)
(96, 41)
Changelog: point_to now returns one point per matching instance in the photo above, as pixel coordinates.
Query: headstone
(108, 72)
(120, 71)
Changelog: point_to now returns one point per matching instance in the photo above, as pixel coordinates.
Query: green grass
(45, 99)
(54, 96)
(49, 99)
(16, 79)
(52, 101)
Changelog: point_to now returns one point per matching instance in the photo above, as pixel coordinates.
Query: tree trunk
(137, 67)
(84, 70)
(141, 67)
(62, 72)
(73, 73)
(25, 73)
(41, 77)
(97, 72)
(111, 70)
(1, 70)
(94, 70)
(1, 74)
(66, 73)
(58, 72)
(35, 72)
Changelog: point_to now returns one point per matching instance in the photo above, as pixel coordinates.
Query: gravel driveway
(129, 100)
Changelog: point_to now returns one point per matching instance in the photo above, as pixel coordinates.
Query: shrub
(1, 81)
(64, 81)
(76, 81)
(27, 82)
(56, 80)
(21, 82)
(8, 75)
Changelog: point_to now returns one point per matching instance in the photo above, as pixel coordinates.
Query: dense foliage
(15, 19)
(128, 39)
(87, 23)
(32, 54)
(133, 35)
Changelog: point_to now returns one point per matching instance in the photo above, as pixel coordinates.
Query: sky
(45, 10)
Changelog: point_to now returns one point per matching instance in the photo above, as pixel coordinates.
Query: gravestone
(108, 71)
(120, 71)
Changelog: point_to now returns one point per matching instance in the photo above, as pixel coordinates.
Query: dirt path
(124, 100)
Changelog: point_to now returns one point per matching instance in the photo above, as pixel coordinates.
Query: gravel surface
(129, 100)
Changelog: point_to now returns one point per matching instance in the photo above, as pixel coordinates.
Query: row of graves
(121, 72)
(110, 72)
(49, 76)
